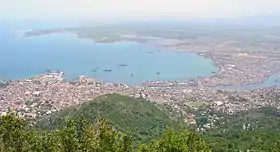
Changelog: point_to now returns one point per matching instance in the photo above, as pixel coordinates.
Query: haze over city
(55, 9)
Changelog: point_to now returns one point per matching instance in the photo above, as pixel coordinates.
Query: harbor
(31, 96)
(125, 62)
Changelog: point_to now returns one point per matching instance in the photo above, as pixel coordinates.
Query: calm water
(273, 80)
(27, 57)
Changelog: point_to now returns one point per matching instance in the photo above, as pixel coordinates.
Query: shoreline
(48, 93)
(150, 84)
(208, 81)
(50, 89)
(220, 67)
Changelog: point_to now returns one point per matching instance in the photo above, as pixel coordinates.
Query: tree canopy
(79, 135)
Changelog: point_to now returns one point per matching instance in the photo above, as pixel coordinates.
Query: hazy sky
(138, 8)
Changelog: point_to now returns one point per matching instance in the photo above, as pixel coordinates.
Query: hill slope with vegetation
(78, 135)
(255, 130)
(140, 119)
(141, 125)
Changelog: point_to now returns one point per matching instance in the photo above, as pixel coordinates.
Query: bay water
(122, 62)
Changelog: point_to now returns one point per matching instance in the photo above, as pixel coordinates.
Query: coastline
(210, 55)
(50, 90)
(210, 81)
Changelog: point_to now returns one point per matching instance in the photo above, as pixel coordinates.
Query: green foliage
(173, 142)
(138, 118)
(80, 136)
(275, 147)
(12, 132)
(255, 130)
(144, 121)
(132, 122)
(196, 105)
(242, 141)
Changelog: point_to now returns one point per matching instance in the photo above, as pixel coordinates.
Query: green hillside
(16, 135)
(256, 129)
(140, 119)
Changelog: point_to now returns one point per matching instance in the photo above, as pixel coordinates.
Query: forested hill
(255, 130)
(140, 119)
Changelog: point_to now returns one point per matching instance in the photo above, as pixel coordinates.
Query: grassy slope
(139, 118)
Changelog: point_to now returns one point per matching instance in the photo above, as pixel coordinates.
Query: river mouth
(123, 62)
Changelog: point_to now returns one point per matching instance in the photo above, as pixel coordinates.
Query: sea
(122, 62)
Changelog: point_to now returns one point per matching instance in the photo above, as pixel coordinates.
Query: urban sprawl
(47, 93)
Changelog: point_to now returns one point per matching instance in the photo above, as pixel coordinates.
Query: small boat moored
(107, 70)
(123, 65)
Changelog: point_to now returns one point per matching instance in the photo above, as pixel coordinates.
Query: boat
(95, 70)
(131, 74)
(158, 73)
(107, 70)
(150, 52)
(158, 50)
(123, 65)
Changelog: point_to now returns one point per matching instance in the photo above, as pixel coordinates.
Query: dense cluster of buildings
(241, 68)
(241, 60)
(47, 93)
